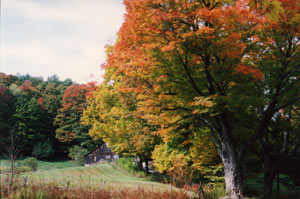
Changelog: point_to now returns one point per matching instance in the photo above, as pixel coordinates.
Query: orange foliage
(41, 102)
(27, 87)
(250, 71)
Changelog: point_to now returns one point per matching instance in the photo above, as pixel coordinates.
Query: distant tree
(53, 79)
(30, 105)
(113, 117)
(30, 123)
(70, 131)
(7, 110)
(68, 82)
(7, 80)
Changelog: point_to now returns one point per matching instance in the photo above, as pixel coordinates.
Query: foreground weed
(53, 191)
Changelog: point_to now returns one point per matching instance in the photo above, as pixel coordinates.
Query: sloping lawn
(42, 165)
(93, 176)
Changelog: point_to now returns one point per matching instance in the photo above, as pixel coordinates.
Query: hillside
(93, 176)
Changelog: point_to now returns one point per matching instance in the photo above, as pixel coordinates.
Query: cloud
(63, 37)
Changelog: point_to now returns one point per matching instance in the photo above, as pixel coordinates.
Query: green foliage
(70, 131)
(29, 105)
(114, 118)
(77, 155)
(31, 162)
(127, 163)
(215, 191)
(43, 149)
(175, 163)
(7, 107)
(30, 124)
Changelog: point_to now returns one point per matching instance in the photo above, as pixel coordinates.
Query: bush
(43, 150)
(77, 155)
(214, 190)
(23, 169)
(31, 162)
(127, 163)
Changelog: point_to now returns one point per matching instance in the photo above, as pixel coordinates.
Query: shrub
(43, 150)
(31, 162)
(23, 169)
(214, 190)
(127, 163)
(77, 155)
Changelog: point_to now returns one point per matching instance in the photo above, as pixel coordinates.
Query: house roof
(96, 149)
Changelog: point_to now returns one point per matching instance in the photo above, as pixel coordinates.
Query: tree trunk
(269, 176)
(232, 172)
(233, 163)
(140, 163)
(147, 165)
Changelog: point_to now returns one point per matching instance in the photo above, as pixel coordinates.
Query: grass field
(255, 184)
(93, 176)
(42, 165)
(63, 172)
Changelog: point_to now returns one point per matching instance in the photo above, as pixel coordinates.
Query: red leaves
(75, 97)
(41, 102)
(3, 90)
(27, 87)
(250, 71)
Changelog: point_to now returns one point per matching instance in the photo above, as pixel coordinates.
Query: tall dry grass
(53, 191)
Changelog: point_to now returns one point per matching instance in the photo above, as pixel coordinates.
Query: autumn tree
(215, 63)
(29, 106)
(188, 156)
(114, 118)
(278, 55)
(31, 124)
(70, 131)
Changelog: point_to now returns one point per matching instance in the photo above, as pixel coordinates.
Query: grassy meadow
(42, 165)
(65, 180)
(63, 172)
(94, 176)
(57, 177)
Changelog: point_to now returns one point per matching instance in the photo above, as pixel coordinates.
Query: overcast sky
(63, 37)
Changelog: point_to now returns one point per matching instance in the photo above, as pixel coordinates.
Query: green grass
(42, 165)
(61, 172)
(89, 176)
(255, 185)
(93, 176)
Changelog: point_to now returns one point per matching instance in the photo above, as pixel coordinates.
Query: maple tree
(112, 114)
(69, 130)
(187, 157)
(278, 44)
(218, 64)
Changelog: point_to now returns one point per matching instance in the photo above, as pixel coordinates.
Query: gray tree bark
(233, 174)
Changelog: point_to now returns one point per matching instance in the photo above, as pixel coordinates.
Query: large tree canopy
(215, 64)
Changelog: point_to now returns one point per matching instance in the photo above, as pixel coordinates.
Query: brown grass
(53, 191)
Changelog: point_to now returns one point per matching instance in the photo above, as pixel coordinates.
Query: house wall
(101, 153)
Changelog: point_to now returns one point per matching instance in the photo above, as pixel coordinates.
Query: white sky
(63, 37)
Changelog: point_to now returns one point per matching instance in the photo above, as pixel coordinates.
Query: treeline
(43, 117)
(204, 87)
